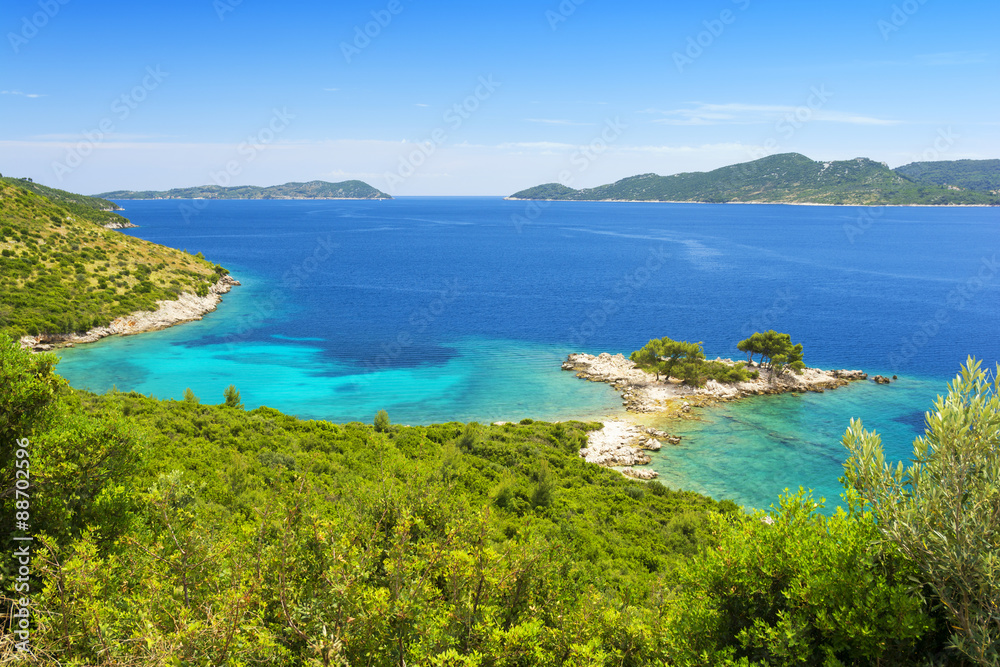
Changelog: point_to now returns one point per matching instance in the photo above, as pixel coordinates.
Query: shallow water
(440, 309)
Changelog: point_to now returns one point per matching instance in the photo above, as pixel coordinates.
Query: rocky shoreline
(642, 393)
(186, 308)
(621, 444)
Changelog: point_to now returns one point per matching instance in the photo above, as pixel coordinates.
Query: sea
(445, 309)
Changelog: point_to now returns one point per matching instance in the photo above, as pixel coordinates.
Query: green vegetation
(310, 190)
(63, 272)
(980, 175)
(169, 532)
(785, 178)
(776, 352)
(80, 207)
(942, 513)
(686, 361)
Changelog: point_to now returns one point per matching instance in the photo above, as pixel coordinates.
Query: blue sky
(448, 98)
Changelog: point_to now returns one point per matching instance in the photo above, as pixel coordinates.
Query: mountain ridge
(293, 190)
(786, 178)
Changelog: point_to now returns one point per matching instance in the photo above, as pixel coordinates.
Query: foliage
(981, 175)
(310, 190)
(787, 177)
(170, 532)
(63, 273)
(943, 511)
(776, 351)
(793, 587)
(685, 361)
(93, 209)
(381, 421)
(232, 397)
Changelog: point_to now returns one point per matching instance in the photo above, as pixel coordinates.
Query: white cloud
(18, 92)
(556, 121)
(756, 114)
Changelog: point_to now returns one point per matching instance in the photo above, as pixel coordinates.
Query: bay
(440, 309)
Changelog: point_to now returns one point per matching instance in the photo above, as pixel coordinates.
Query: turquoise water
(440, 309)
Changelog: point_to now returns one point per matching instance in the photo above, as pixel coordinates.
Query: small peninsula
(670, 377)
(68, 278)
(310, 190)
(791, 178)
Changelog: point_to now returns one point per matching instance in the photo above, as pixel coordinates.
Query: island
(791, 178)
(310, 190)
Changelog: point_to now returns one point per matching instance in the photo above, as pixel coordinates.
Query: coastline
(756, 203)
(186, 308)
(622, 443)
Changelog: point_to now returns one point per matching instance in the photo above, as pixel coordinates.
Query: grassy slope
(786, 178)
(62, 272)
(82, 207)
(310, 190)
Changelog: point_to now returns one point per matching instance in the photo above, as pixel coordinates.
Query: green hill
(310, 190)
(786, 178)
(62, 271)
(93, 209)
(980, 175)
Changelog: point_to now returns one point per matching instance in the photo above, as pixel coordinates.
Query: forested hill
(93, 209)
(786, 178)
(61, 271)
(981, 175)
(310, 190)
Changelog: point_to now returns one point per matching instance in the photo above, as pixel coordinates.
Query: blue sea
(442, 309)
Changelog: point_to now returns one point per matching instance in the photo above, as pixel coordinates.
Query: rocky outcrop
(120, 224)
(622, 444)
(185, 308)
(881, 379)
(643, 392)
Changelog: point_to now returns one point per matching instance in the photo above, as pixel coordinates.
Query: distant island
(310, 190)
(791, 178)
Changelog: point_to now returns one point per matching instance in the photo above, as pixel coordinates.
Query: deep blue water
(441, 309)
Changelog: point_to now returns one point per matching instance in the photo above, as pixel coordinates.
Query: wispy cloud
(418, 104)
(556, 121)
(18, 92)
(754, 114)
(331, 90)
(953, 58)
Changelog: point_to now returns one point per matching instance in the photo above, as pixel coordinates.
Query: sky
(422, 97)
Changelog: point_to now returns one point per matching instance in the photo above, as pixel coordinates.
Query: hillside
(83, 207)
(980, 175)
(64, 272)
(310, 190)
(786, 178)
(182, 533)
